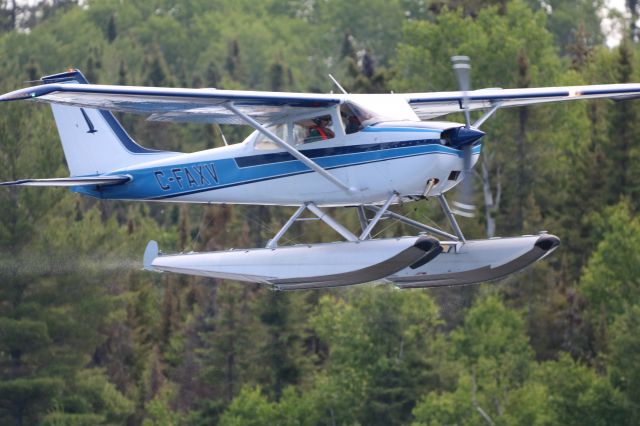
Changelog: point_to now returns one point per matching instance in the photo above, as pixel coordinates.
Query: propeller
(462, 68)
(465, 206)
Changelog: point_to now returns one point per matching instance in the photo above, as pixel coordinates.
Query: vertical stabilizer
(93, 141)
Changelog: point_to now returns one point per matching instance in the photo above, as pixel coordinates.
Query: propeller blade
(462, 68)
(465, 204)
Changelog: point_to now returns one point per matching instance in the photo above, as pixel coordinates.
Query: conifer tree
(112, 32)
(624, 129)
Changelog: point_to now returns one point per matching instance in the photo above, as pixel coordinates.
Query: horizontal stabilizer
(150, 253)
(70, 181)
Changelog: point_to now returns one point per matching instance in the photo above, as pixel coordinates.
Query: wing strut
(291, 150)
(486, 115)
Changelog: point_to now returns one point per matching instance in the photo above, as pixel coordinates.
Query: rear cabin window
(263, 143)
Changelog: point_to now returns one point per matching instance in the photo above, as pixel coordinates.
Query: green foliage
(565, 20)
(611, 279)
(23, 399)
(365, 20)
(494, 361)
(281, 353)
(624, 356)
(424, 63)
(579, 396)
(90, 399)
(493, 337)
(382, 351)
(23, 335)
(249, 408)
(159, 412)
(499, 382)
(85, 338)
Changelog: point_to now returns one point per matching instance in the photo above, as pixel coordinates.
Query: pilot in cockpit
(351, 121)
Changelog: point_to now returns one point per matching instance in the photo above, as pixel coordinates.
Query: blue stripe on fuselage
(371, 129)
(278, 157)
(182, 179)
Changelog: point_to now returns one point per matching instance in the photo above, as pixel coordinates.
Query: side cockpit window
(352, 118)
(303, 130)
(313, 129)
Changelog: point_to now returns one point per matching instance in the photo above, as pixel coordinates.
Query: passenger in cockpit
(320, 129)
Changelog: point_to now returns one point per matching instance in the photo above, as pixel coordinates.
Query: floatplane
(311, 151)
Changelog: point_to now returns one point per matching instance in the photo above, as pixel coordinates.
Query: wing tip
(50, 85)
(71, 75)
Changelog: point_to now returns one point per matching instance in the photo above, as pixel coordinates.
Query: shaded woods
(87, 338)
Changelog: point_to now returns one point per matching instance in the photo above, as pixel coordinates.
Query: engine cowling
(458, 137)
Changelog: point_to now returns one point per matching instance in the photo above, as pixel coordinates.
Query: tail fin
(93, 141)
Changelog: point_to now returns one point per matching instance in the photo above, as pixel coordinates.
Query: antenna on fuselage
(338, 84)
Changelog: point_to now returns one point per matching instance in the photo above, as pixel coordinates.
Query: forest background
(87, 338)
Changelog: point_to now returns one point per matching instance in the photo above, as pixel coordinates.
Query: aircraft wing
(209, 105)
(174, 104)
(430, 105)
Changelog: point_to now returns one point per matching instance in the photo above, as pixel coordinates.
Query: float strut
(415, 224)
(362, 217)
(332, 223)
(273, 243)
(451, 217)
(377, 217)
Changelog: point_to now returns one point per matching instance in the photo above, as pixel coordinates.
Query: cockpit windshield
(372, 109)
(322, 125)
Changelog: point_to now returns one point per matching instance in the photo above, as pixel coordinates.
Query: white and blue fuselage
(381, 159)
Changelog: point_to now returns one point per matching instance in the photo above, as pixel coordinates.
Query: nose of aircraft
(457, 137)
